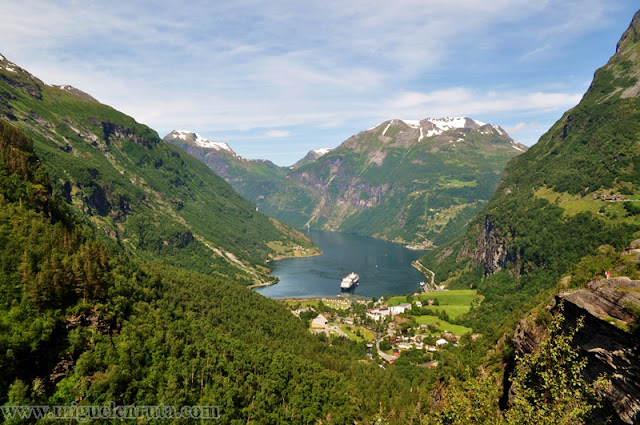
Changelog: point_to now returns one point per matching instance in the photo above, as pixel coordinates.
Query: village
(392, 325)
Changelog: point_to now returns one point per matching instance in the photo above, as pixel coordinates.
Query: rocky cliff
(609, 340)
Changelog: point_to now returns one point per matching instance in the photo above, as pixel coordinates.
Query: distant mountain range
(409, 181)
(143, 193)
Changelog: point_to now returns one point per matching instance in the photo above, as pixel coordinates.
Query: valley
(137, 270)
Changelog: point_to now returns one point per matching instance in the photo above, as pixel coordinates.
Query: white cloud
(465, 101)
(276, 134)
(517, 128)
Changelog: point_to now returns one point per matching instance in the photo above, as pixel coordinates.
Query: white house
(378, 313)
(441, 342)
(401, 308)
(319, 322)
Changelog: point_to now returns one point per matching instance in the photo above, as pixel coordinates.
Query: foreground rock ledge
(605, 340)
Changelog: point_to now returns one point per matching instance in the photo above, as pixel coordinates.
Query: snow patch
(201, 141)
(516, 147)
(480, 123)
(499, 130)
(439, 125)
(387, 128)
(444, 124)
(8, 68)
(412, 123)
(2, 58)
(322, 151)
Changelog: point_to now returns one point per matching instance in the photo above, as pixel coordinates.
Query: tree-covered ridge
(146, 194)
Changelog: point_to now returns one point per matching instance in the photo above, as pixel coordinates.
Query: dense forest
(82, 321)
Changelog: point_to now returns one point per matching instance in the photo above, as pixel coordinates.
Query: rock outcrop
(607, 340)
(492, 251)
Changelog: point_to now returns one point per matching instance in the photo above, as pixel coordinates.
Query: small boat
(349, 281)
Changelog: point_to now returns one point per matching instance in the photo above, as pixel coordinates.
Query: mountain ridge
(344, 188)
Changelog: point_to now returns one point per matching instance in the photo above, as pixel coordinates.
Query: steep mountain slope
(606, 340)
(81, 322)
(407, 181)
(251, 178)
(576, 189)
(560, 221)
(141, 191)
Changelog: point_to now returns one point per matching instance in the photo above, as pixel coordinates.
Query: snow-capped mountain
(403, 180)
(197, 140)
(311, 156)
(431, 127)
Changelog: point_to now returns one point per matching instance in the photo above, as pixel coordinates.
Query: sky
(276, 79)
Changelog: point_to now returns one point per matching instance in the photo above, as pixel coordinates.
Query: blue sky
(276, 79)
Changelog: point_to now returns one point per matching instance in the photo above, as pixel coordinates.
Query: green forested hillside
(144, 193)
(578, 188)
(82, 322)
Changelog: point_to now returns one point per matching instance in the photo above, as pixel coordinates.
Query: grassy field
(454, 311)
(313, 302)
(445, 326)
(456, 302)
(574, 204)
(367, 335)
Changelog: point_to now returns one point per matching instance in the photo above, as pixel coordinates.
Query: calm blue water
(384, 268)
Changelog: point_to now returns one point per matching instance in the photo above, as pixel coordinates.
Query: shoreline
(421, 268)
(321, 298)
(263, 284)
(283, 257)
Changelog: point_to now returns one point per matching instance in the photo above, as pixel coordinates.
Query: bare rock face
(492, 251)
(605, 340)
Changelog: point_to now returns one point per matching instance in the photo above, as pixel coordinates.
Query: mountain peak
(417, 130)
(311, 156)
(197, 140)
(435, 126)
(631, 36)
(621, 75)
(8, 65)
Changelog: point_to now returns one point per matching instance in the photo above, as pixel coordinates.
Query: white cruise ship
(349, 281)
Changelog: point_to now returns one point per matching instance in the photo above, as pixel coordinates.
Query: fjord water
(384, 268)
